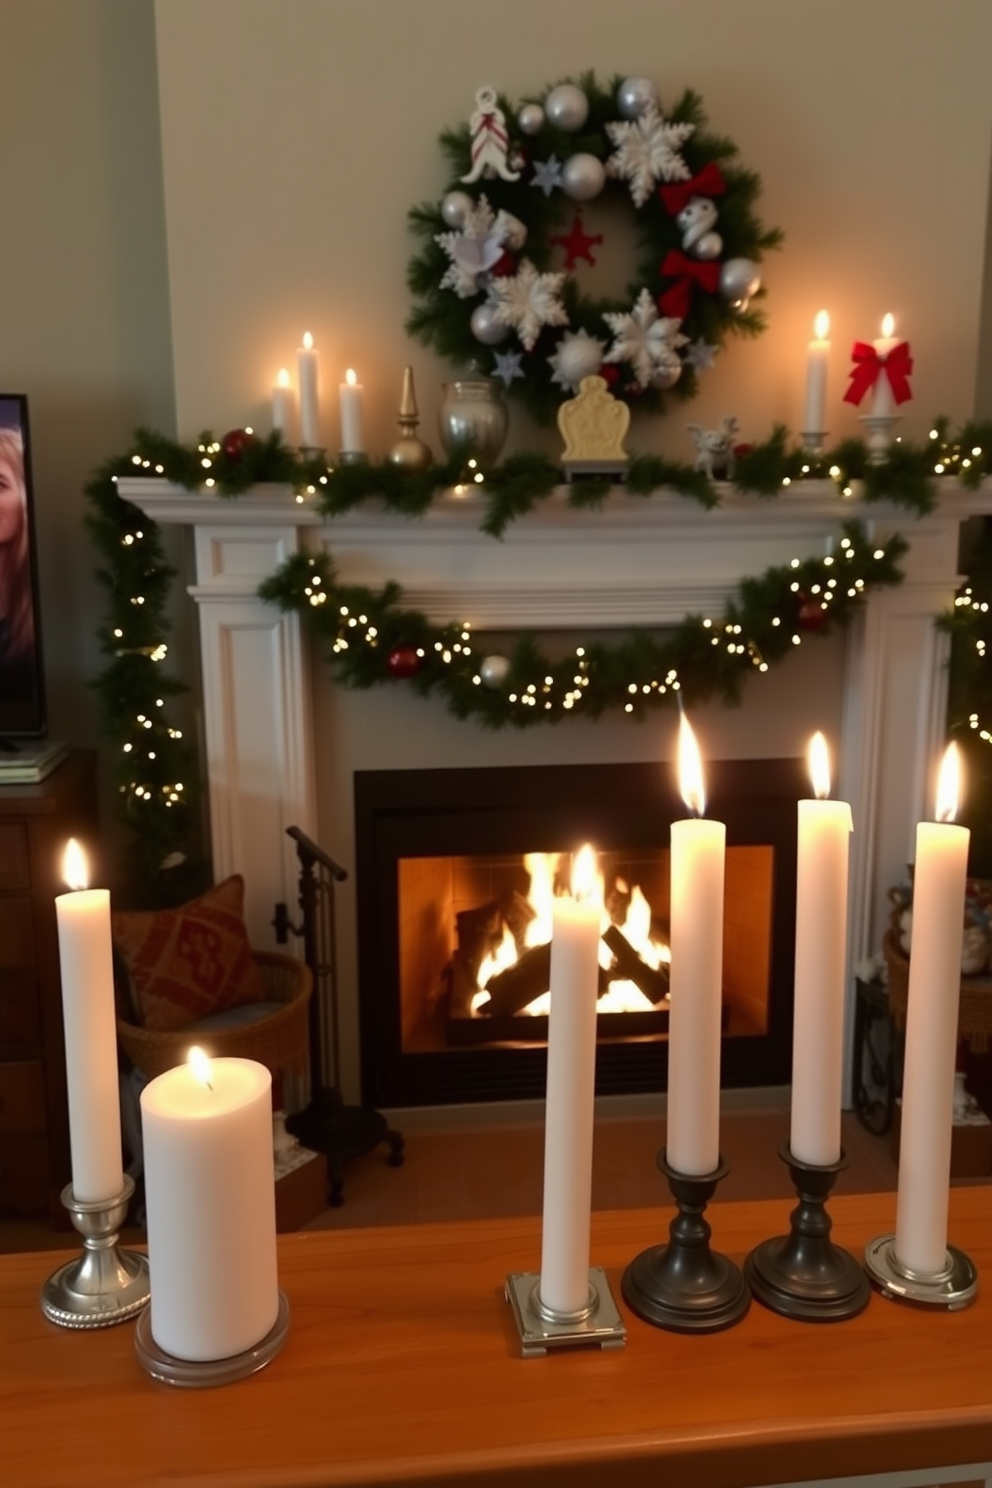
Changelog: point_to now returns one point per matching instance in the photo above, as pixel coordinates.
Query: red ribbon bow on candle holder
(678, 194)
(687, 273)
(869, 366)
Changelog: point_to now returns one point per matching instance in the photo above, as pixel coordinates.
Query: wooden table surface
(402, 1365)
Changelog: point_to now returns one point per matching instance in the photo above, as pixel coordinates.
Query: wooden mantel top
(402, 1365)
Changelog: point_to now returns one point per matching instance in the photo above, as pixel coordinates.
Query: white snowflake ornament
(648, 341)
(577, 355)
(647, 151)
(527, 301)
(478, 247)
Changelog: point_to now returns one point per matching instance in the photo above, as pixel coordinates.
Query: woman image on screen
(16, 608)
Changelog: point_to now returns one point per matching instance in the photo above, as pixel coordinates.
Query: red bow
(869, 366)
(687, 273)
(676, 194)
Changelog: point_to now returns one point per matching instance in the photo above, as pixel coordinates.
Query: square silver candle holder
(542, 1328)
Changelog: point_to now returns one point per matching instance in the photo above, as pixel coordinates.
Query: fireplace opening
(456, 873)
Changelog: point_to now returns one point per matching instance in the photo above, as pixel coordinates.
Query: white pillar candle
(817, 362)
(882, 402)
(564, 1284)
(932, 1032)
(86, 963)
(820, 967)
(210, 1198)
(308, 373)
(692, 1143)
(351, 392)
(284, 407)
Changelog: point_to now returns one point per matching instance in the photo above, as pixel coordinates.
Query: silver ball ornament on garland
(739, 280)
(455, 208)
(666, 376)
(634, 96)
(495, 669)
(567, 107)
(530, 117)
(485, 327)
(583, 177)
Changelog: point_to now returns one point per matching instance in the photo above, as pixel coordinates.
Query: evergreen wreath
(495, 269)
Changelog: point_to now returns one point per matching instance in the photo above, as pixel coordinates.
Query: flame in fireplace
(621, 996)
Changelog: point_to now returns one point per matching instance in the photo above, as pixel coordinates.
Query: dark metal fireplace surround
(625, 808)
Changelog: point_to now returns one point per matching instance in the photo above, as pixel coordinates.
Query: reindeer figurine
(715, 448)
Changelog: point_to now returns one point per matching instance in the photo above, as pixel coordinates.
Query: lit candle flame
(351, 377)
(818, 761)
(74, 869)
(283, 377)
(821, 325)
(307, 340)
(584, 872)
(690, 770)
(949, 784)
(200, 1066)
(888, 325)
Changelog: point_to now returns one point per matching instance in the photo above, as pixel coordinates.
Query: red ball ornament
(504, 266)
(403, 661)
(812, 616)
(235, 442)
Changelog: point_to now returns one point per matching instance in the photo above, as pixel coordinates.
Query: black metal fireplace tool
(326, 1124)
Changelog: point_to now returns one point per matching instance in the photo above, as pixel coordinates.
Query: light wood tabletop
(403, 1365)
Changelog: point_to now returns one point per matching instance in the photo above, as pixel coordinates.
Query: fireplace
(445, 867)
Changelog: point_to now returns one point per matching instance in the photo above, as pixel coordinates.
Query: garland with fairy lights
(155, 767)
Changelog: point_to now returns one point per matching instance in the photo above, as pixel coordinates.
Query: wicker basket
(279, 1040)
(974, 1009)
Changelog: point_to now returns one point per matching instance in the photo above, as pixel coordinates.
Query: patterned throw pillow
(189, 962)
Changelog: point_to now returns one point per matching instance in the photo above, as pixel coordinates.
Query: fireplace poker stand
(326, 1124)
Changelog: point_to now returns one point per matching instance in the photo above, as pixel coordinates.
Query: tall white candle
(564, 1284)
(882, 402)
(351, 393)
(932, 1031)
(697, 869)
(817, 363)
(86, 962)
(210, 1197)
(820, 969)
(308, 373)
(284, 407)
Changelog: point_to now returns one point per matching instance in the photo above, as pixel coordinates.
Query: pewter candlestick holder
(954, 1286)
(814, 440)
(879, 426)
(685, 1286)
(804, 1274)
(105, 1285)
(542, 1328)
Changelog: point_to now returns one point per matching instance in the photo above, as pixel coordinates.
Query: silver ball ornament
(485, 327)
(709, 246)
(567, 107)
(739, 280)
(455, 208)
(530, 117)
(494, 670)
(667, 376)
(583, 177)
(634, 96)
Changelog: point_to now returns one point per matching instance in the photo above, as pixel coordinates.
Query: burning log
(479, 932)
(632, 968)
(518, 913)
(511, 990)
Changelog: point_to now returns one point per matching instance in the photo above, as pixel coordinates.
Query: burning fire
(621, 996)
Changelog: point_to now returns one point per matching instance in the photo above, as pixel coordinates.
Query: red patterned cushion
(187, 963)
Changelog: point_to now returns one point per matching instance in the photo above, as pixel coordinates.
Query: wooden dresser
(36, 821)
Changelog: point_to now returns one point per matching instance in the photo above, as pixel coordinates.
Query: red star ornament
(577, 244)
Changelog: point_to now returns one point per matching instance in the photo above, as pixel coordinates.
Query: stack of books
(29, 760)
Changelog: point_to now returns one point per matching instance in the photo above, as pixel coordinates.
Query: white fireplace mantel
(638, 561)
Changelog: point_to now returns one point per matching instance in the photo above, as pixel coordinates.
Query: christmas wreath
(494, 279)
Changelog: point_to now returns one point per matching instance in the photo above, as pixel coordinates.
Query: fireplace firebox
(453, 873)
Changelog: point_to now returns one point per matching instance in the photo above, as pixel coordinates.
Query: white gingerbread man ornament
(489, 139)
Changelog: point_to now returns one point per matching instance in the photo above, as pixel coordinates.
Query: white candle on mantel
(210, 1199)
(692, 1144)
(932, 1031)
(308, 373)
(820, 968)
(817, 363)
(351, 414)
(564, 1285)
(883, 404)
(284, 407)
(86, 962)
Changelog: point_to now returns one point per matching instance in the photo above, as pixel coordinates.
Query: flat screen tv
(22, 678)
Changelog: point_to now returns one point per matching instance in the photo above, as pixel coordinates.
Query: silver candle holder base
(542, 1328)
(880, 427)
(352, 457)
(953, 1287)
(814, 440)
(198, 1374)
(105, 1285)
